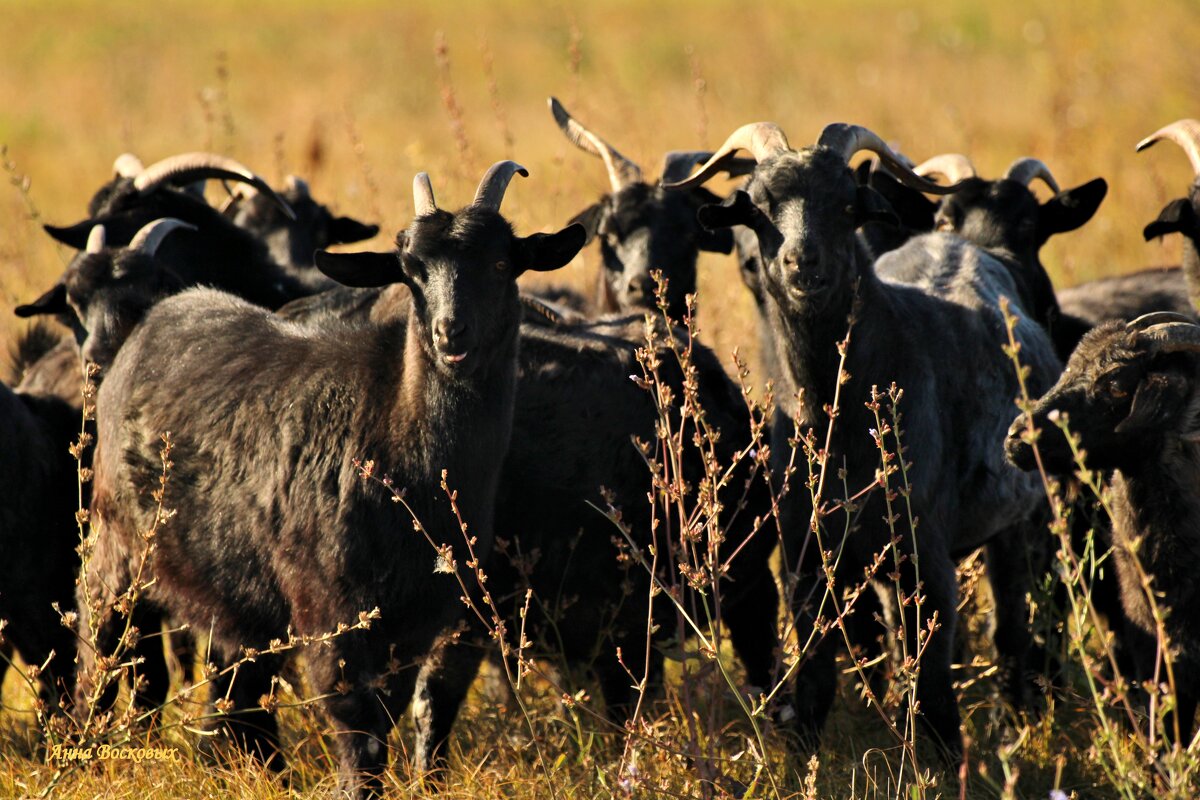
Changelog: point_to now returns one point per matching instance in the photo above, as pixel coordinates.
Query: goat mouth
(454, 358)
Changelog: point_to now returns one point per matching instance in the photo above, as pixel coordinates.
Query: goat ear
(738, 209)
(360, 269)
(71, 235)
(1069, 209)
(543, 252)
(1155, 402)
(344, 230)
(1176, 217)
(719, 241)
(53, 301)
(870, 206)
(589, 218)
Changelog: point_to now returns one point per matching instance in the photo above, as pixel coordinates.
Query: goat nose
(447, 328)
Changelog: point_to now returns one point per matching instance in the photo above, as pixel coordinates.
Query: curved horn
(423, 202)
(495, 182)
(846, 140)
(127, 165)
(1171, 337)
(150, 236)
(95, 240)
(1185, 133)
(1157, 318)
(954, 167)
(188, 167)
(762, 139)
(621, 171)
(1025, 170)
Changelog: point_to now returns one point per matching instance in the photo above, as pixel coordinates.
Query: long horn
(846, 140)
(1025, 170)
(95, 240)
(954, 167)
(150, 236)
(1171, 337)
(188, 167)
(762, 139)
(490, 193)
(621, 171)
(1185, 133)
(423, 202)
(127, 165)
(1157, 318)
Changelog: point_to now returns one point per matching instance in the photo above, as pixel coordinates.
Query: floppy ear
(1069, 209)
(344, 230)
(870, 206)
(738, 209)
(1176, 217)
(360, 269)
(53, 301)
(543, 252)
(1155, 402)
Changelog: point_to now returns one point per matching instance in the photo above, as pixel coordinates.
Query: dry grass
(354, 97)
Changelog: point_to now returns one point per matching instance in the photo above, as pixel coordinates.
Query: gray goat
(939, 338)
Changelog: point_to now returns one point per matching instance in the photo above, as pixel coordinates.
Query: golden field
(356, 97)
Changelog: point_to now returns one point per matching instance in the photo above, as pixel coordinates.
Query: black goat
(37, 534)
(275, 529)
(1131, 393)
(577, 413)
(292, 240)
(940, 341)
(642, 228)
(220, 254)
(1162, 289)
(1004, 218)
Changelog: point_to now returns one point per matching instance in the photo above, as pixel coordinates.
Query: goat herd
(274, 375)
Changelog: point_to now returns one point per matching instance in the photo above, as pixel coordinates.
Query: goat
(219, 254)
(940, 341)
(275, 528)
(577, 413)
(292, 240)
(642, 228)
(1004, 218)
(37, 534)
(1175, 289)
(108, 290)
(1130, 393)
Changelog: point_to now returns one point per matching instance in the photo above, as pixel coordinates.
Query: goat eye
(1115, 389)
(501, 265)
(944, 224)
(849, 209)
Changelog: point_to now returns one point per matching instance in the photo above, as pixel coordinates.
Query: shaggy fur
(274, 528)
(576, 411)
(1138, 413)
(940, 341)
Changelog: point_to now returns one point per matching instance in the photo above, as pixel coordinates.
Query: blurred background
(357, 96)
